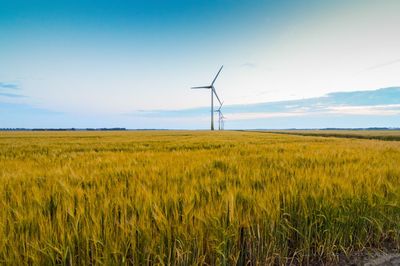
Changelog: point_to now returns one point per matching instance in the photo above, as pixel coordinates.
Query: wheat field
(390, 135)
(194, 198)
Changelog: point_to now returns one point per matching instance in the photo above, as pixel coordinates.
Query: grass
(189, 198)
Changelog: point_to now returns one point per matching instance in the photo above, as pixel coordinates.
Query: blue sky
(112, 63)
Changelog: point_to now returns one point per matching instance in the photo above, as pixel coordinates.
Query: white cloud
(376, 110)
(380, 110)
(250, 116)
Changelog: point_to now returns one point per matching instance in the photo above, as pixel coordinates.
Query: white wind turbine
(221, 117)
(213, 92)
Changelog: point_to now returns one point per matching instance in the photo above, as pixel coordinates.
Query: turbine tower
(213, 92)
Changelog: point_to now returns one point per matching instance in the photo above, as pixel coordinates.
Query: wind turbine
(223, 122)
(220, 117)
(213, 92)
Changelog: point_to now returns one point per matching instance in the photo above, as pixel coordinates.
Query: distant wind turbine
(213, 92)
(220, 117)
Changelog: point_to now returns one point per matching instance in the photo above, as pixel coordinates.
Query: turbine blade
(217, 75)
(219, 108)
(215, 93)
(201, 87)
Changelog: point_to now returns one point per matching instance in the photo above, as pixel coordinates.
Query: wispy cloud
(379, 110)
(4, 85)
(248, 65)
(382, 102)
(388, 63)
(375, 110)
(11, 95)
(251, 116)
(5, 89)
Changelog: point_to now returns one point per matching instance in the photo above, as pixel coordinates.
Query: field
(359, 134)
(115, 198)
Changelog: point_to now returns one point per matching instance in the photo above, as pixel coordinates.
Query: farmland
(182, 197)
(390, 135)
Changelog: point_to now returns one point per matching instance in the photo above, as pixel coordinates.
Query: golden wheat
(79, 198)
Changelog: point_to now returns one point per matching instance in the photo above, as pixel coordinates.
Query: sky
(112, 63)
